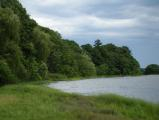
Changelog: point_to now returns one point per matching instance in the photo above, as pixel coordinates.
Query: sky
(132, 23)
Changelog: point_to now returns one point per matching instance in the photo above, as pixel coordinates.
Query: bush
(56, 76)
(33, 68)
(15, 60)
(102, 69)
(69, 71)
(6, 75)
(43, 71)
(86, 66)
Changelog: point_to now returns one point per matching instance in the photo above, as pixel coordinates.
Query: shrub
(56, 76)
(43, 70)
(102, 69)
(6, 75)
(86, 66)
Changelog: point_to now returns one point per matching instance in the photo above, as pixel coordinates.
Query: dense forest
(112, 60)
(30, 52)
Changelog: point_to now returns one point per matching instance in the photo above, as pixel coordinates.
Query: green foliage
(43, 71)
(73, 45)
(86, 67)
(67, 58)
(31, 52)
(152, 69)
(56, 77)
(9, 27)
(88, 49)
(112, 60)
(68, 70)
(33, 68)
(6, 75)
(62, 60)
(28, 49)
(102, 69)
(37, 70)
(42, 44)
(15, 60)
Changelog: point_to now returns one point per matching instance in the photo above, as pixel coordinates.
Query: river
(142, 87)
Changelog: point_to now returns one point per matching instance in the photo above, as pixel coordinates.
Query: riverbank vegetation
(151, 69)
(112, 60)
(34, 101)
(30, 52)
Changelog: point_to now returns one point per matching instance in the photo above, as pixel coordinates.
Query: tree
(43, 70)
(112, 60)
(152, 69)
(88, 49)
(30, 52)
(63, 60)
(9, 28)
(97, 43)
(73, 45)
(42, 44)
(9, 40)
(102, 69)
(6, 75)
(125, 49)
(86, 66)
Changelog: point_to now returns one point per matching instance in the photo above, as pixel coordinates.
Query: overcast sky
(134, 23)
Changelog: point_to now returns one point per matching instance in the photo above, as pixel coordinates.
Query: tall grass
(38, 102)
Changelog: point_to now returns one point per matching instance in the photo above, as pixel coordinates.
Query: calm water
(144, 87)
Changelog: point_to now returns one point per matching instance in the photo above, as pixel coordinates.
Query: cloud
(78, 22)
(124, 22)
(137, 18)
(68, 3)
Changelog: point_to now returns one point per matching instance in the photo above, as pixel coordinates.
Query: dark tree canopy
(152, 69)
(112, 60)
(97, 43)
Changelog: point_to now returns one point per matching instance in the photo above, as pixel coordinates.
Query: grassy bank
(60, 77)
(37, 102)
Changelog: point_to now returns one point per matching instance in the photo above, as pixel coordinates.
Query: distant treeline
(151, 69)
(31, 52)
(112, 60)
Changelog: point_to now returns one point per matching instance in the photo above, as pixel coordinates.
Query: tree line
(30, 52)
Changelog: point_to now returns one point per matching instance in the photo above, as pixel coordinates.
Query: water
(143, 87)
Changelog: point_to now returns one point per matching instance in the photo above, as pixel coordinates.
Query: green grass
(33, 101)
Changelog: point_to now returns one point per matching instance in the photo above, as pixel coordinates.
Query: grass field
(38, 102)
